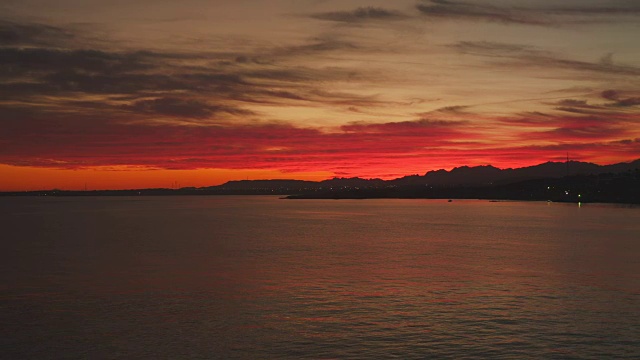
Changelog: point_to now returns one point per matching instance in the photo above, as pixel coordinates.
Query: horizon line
(316, 181)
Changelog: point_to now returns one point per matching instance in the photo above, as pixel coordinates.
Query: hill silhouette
(459, 176)
(490, 175)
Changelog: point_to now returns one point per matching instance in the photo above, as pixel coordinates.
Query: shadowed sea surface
(206, 277)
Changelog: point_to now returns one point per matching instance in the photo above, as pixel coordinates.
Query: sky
(119, 94)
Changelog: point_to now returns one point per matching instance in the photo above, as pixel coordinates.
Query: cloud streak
(178, 107)
(33, 34)
(538, 16)
(529, 56)
(194, 85)
(479, 12)
(619, 99)
(360, 14)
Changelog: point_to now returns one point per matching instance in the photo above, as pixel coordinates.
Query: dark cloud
(576, 110)
(90, 61)
(19, 61)
(619, 100)
(597, 123)
(479, 12)
(589, 150)
(599, 133)
(345, 99)
(456, 109)
(245, 59)
(529, 56)
(628, 102)
(139, 75)
(588, 116)
(317, 46)
(16, 34)
(546, 16)
(178, 107)
(580, 107)
(599, 67)
(572, 102)
(610, 94)
(291, 74)
(149, 81)
(420, 128)
(121, 83)
(632, 8)
(269, 86)
(360, 14)
(495, 49)
(284, 95)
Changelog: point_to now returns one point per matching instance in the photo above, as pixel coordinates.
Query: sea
(259, 277)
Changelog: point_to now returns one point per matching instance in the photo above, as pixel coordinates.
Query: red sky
(147, 94)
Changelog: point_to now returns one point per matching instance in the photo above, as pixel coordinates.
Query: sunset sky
(140, 93)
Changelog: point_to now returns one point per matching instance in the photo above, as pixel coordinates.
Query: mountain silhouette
(490, 175)
(283, 184)
(484, 175)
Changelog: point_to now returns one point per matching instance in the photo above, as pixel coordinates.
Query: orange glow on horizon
(31, 178)
(22, 178)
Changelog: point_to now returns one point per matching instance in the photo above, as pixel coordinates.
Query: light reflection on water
(260, 277)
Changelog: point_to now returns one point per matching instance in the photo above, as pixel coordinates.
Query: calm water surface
(259, 277)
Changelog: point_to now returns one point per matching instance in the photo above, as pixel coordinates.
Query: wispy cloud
(529, 56)
(479, 12)
(179, 107)
(26, 34)
(577, 121)
(495, 49)
(615, 103)
(619, 99)
(360, 14)
(196, 85)
(419, 128)
(629, 8)
(540, 16)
